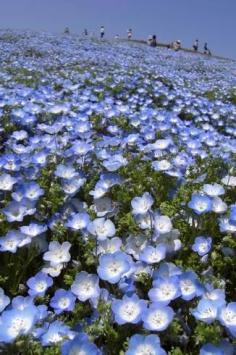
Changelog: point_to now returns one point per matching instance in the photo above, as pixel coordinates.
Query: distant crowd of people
(151, 41)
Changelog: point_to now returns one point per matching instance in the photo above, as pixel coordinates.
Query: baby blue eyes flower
(4, 300)
(128, 310)
(56, 333)
(62, 301)
(141, 205)
(157, 317)
(79, 345)
(102, 228)
(189, 285)
(227, 317)
(113, 266)
(202, 245)
(7, 182)
(213, 190)
(210, 349)
(153, 255)
(78, 221)
(144, 344)
(206, 311)
(200, 204)
(14, 323)
(65, 172)
(57, 253)
(39, 284)
(162, 224)
(13, 240)
(164, 290)
(86, 286)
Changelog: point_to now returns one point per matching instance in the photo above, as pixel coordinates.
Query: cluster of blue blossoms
(74, 116)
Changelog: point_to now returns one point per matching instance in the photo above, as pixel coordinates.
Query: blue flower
(39, 284)
(141, 345)
(113, 266)
(14, 323)
(4, 300)
(13, 240)
(58, 253)
(141, 205)
(190, 287)
(164, 290)
(128, 310)
(213, 190)
(200, 204)
(153, 255)
(232, 217)
(56, 333)
(79, 345)
(206, 311)
(227, 317)
(202, 245)
(62, 301)
(210, 349)
(7, 182)
(78, 221)
(102, 228)
(157, 317)
(86, 286)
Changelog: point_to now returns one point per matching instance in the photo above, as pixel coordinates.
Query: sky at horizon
(212, 21)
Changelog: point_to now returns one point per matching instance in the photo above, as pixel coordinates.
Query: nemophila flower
(102, 228)
(80, 344)
(153, 255)
(109, 245)
(39, 284)
(161, 165)
(4, 300)
(232, 217)
(164, 290)
(40, 158)
(56, 333)
(86, 286)
(78, 221)
(65, 171)
(19, 135)
(72, 186)
(213, 190)
(7, 182)
(128, 310)
(13, 240)
(162, 224)
(113, 266)
(226, 347)
(15, 211)
(227, 226)
(57, 253)
(157, 317)
(145, 344)
(227, 317)
(20, 302)
(200, 204)
(190, 287)
(102, 206)
(218, 206)
(144, 221)
(62, 301)
(33, 229)
(166, 270)
(202, 245)
(115, 162)
(206, 311)
(210, 349)
(14, 323)
(52, 270)
(31, 191)
(229, 180)
(135, 244)
(141, 205)
(216, 295)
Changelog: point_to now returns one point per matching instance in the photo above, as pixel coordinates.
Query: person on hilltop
(206, 49)
(195, 45)
(177, 45)
(102, 32)
(85, 32)
(130, 33)
(153, 41)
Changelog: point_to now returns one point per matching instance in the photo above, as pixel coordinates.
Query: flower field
(118, 198)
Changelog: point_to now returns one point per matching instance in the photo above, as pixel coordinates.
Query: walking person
(130, 33)
(102, 32)
(206, 49)
(154, 41)
(195, 45)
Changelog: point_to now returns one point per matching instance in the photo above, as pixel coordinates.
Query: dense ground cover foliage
(118, 198)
